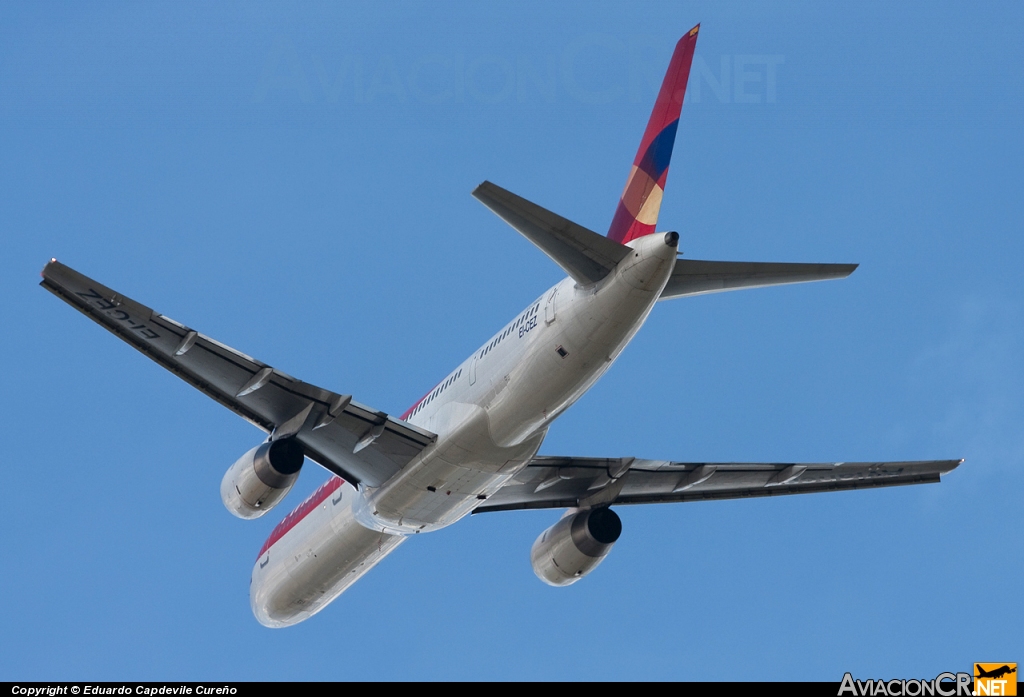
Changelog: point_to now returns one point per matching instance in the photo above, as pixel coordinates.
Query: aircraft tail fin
(637, 212)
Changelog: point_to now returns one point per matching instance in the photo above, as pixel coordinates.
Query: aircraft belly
(589, 330)
(492, 431)
(483, 440)
(448, 482)
(325, 553)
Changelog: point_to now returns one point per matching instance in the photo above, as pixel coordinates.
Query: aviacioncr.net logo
(995, 679)
(943, 685)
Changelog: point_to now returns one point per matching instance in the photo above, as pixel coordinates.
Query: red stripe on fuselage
(304, 508)
(411, 409)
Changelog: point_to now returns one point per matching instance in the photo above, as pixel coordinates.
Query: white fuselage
(490, 415)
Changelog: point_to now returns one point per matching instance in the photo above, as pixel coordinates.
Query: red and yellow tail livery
(637, 213)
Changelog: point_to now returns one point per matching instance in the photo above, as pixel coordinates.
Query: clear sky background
(294, 182)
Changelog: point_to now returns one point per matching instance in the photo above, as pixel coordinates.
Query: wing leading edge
(356, 442)
(571, 482)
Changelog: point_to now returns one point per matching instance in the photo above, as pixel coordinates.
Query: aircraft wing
(359, 444)
(571, 482)
(695, 277)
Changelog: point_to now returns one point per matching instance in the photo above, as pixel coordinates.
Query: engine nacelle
(574, 546)
(261, 477)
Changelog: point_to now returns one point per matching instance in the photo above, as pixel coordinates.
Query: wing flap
(696, 277)
(556, 482)
(264, 396)
(583, 254)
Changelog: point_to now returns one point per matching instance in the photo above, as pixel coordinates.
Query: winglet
(637, 212)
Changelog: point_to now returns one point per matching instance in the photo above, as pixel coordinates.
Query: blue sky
(295, 182)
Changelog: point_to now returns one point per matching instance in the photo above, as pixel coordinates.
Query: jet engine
(261, 477)
(574, 546)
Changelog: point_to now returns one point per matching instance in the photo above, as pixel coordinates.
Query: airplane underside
(470, 445)
(480, 446)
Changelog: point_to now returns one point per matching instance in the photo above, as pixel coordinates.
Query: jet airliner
(471, 444)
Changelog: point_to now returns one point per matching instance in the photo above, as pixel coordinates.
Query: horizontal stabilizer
(694, 277)
(583, 254)
(581, 482)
